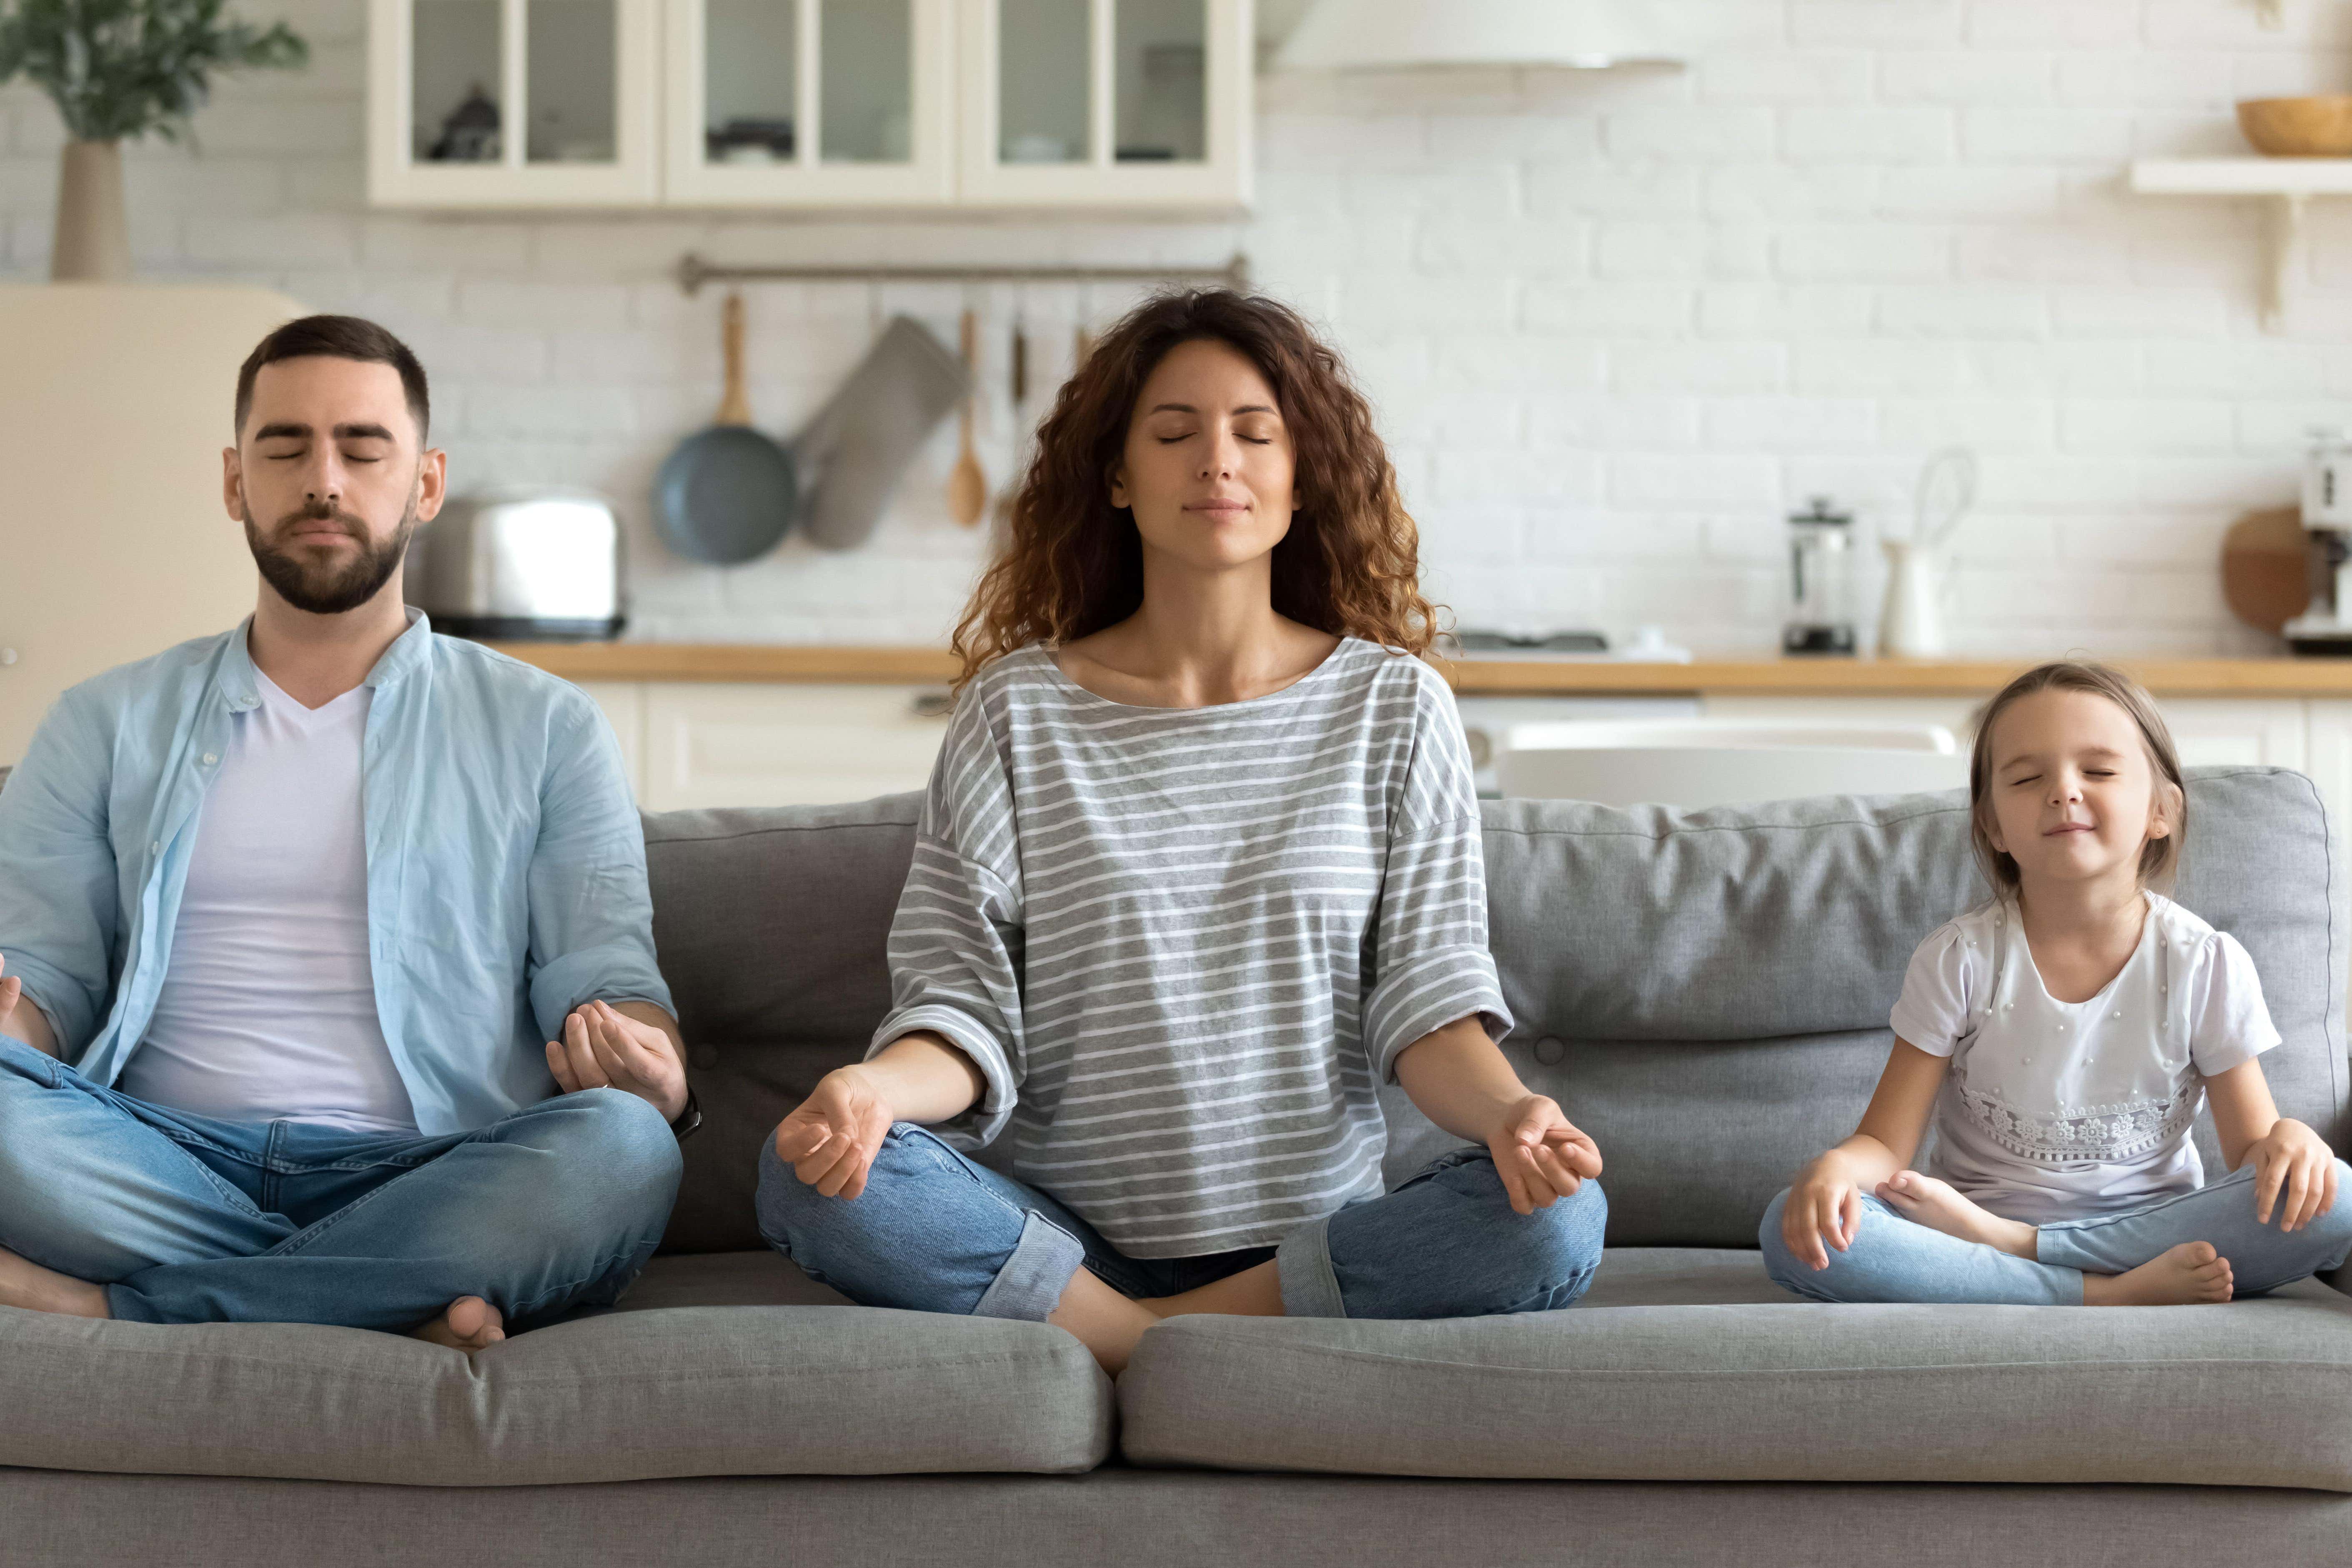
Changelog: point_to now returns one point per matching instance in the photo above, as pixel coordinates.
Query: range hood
(1408, 35)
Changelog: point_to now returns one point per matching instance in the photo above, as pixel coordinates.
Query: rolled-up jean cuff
(1302, 1263)
(1032, 1281)
(127, 1306)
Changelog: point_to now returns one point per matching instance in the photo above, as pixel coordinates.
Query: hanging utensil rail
(693, 272)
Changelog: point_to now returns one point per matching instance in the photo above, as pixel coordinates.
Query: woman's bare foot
(1939, 1206)
(24, 1283)
(2193, 1271)
(470, 1324)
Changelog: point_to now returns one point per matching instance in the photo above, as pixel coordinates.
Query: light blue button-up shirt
(506, 866)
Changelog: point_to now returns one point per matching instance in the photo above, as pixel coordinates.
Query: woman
(1197, 870)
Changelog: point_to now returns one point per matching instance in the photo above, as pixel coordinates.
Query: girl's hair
(1072, 563)
(2157, 858)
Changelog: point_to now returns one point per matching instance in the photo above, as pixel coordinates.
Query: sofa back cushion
(1704, 992)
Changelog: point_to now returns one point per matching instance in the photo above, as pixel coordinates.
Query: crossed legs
(109, 1208)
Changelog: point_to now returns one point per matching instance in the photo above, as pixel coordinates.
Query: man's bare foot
(2193, 1271)
(1939, 1206)
(24, 1283)
(470, 1324)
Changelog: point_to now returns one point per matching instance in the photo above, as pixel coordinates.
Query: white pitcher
(1911, 625)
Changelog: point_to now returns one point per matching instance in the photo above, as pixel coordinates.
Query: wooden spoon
(967, 486)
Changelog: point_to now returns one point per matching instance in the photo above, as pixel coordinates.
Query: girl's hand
(1824, 1207)
(1541, 1156)
(832, 1139)
(2293, 1161)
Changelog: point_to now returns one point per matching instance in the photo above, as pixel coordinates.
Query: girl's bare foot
(1939, 1206)
(24, 1283)
(470, 1324)
(2193, 1271)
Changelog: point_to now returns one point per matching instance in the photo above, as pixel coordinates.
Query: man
(343, 928)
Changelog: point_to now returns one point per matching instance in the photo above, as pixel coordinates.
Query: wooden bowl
(2318, 127)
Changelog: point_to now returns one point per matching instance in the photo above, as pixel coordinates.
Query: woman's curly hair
(1072, 563)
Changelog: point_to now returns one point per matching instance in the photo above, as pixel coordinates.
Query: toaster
(521, 564)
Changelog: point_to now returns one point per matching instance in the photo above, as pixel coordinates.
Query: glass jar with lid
(1822, 592)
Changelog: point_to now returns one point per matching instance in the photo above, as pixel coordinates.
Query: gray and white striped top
(1185, 946)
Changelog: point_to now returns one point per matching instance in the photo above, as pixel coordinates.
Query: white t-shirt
(267, 1010)
(2061, 1110)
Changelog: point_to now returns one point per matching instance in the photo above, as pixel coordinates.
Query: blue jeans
(1896, 1259)
(188, 1219)
(934, 1232)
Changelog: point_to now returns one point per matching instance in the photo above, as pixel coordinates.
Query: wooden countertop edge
(1763, 677)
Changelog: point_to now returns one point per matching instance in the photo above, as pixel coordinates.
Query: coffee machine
(2327, 626)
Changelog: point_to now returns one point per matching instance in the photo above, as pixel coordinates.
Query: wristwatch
(690, 1120)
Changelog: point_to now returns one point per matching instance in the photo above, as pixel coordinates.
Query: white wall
(1616, 326)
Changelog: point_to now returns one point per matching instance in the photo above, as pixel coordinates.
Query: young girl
(1200, 868)
(2065, 1034)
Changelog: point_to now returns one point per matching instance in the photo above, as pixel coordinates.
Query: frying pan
(728, 494)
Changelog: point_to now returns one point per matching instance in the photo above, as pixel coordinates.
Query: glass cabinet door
(512, 102)
(809, 103)
(1106, 102)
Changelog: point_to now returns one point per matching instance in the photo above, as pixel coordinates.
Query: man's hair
(336, 337)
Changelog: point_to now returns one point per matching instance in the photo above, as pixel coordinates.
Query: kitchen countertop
(627, 661)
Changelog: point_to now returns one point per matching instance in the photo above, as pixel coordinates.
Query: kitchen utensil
(729, 493)
(2266, 567)
(967, 486)
(1948, 488)
(525, 561)
(861, 442)
(1820, 582)
(1000, 516)
(2314, 127)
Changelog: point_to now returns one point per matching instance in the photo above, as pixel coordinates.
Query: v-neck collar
(287, 706)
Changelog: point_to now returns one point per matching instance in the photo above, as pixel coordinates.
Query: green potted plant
(116, 70)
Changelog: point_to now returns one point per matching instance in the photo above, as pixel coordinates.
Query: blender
(2327, 626)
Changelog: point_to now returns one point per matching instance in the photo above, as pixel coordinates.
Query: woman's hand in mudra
(1541, 1156)
(831, 1140)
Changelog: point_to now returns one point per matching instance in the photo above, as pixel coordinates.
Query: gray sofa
(1706, 992)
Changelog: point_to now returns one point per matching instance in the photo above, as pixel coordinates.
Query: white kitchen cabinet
(993, 104)
(1127, 103)
(513, 103)
(2328, 757)
(810, 103)
(710, 745)
(2207, 730)
(624, 702)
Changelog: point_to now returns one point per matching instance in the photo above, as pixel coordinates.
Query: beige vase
(93, 237)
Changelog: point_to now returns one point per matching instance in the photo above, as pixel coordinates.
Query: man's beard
(320, 588)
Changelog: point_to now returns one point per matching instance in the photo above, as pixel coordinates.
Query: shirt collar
(240, 681)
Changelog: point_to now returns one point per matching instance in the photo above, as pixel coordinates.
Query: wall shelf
(2285, 186)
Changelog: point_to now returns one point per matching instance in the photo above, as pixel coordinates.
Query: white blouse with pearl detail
(2061, 1110)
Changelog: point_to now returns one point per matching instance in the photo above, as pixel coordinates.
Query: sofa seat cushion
(682, 1388)
(1690, 1365)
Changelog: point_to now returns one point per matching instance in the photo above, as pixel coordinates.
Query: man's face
(329, 478)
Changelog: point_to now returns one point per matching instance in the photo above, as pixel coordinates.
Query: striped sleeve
(957, 940)
(1431, 964)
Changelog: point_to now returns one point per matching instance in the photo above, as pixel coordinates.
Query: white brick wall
(1616, 326)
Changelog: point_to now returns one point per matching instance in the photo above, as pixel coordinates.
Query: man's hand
(831, 1140)
(2294, 1162)
(21, 1019)
(1541, 1156)
(604, 1048)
